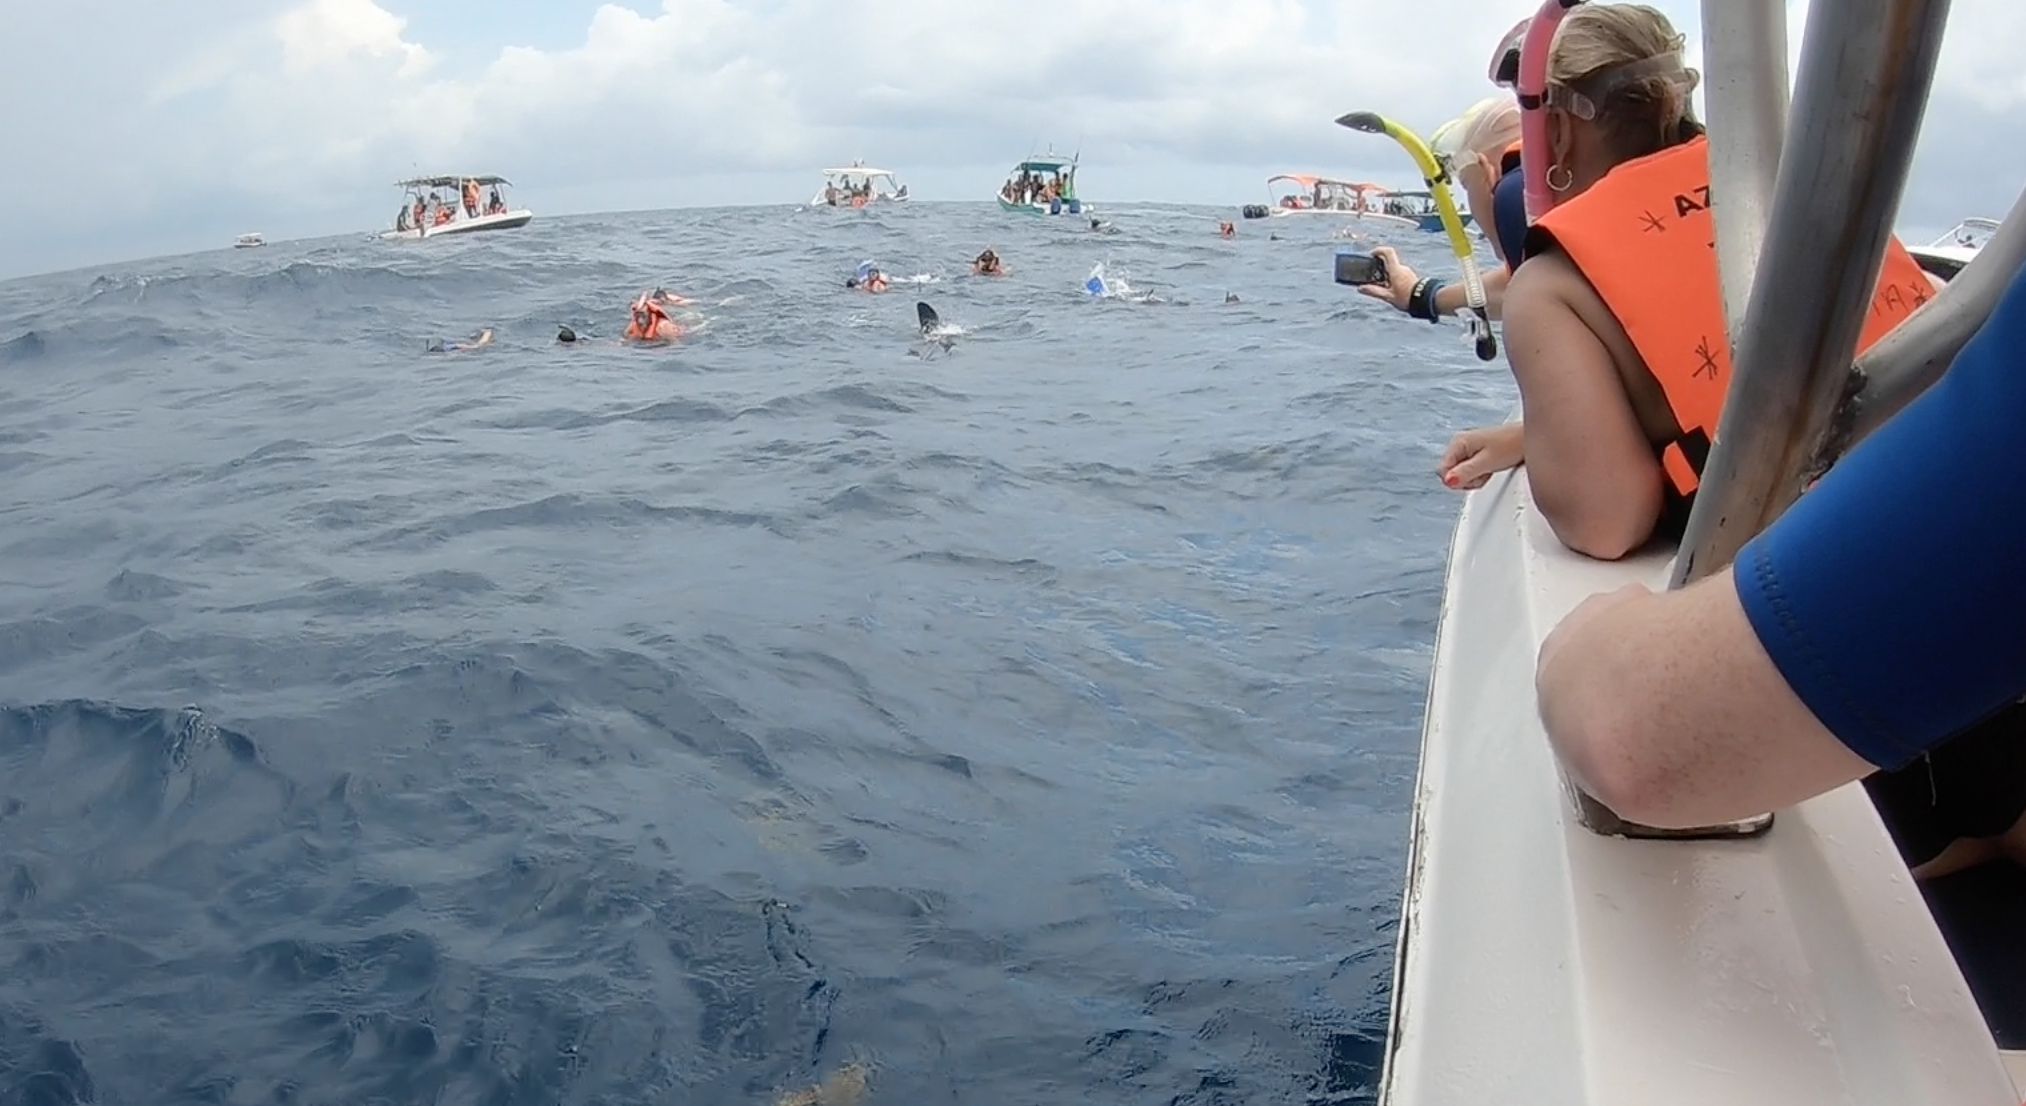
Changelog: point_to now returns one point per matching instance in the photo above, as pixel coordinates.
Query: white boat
(1946, 256)
(857, 185)
(248, 241)
(1308, 194)
(1542, 961)
(435, 206)
(1044, 184)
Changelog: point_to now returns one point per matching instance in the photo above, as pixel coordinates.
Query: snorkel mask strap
(1586, 97)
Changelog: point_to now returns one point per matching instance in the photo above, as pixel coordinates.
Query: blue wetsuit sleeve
(1509, 211)
(1891, 596)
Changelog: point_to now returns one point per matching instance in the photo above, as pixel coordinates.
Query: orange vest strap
(1644, 238)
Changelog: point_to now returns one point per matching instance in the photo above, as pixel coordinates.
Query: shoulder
(1548, 280)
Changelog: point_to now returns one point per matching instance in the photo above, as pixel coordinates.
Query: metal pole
(1903, 363)
(1745, 90)
(1866, 68)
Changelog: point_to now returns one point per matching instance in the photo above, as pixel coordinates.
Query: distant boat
(1042, 185)
(1946, 256)
(1308, 194)
(435, 206)
(857, 185)
(1420, 207)
(248, 241)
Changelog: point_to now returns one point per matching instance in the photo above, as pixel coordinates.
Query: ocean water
(780, 717)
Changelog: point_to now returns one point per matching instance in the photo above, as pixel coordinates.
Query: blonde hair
(1641, 115)
(1491, 125)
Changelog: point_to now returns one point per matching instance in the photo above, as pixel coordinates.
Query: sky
(139, 129)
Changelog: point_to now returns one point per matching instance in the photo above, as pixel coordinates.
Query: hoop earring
(1568, 178)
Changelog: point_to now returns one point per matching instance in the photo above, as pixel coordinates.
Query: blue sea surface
(797, 714)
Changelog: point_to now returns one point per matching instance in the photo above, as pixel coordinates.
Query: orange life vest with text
(1644, 238)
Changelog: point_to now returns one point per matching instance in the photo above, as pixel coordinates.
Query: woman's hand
(1475, 455)
(1399, 279)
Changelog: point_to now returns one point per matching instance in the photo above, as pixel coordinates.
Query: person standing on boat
(470, 198)
(1621, 376)
(1881, 614)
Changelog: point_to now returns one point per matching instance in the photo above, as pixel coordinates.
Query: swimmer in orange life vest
(1614, 323)
(869, 278)
(650, 321)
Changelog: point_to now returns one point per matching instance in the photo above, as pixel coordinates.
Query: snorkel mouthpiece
(1369, 122)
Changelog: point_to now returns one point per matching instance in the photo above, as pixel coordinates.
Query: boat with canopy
(857, 185)
(1309, 194)
(1549, 952)
(1044, 184)
(436, 206)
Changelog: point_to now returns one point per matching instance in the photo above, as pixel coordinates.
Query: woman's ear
(1561, 137)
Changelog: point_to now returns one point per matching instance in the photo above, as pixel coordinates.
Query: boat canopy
(1310, 180)
(858, 171)
(1045, 165)
(449, 182)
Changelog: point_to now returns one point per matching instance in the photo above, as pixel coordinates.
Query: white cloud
(327, 33)
(295, 116)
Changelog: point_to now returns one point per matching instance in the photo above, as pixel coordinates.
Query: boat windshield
(1970, 234)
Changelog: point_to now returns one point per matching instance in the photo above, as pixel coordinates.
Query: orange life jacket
(1644, 238)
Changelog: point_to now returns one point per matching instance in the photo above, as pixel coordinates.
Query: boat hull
(1059, 207)
(506, 220)
(1538, 961)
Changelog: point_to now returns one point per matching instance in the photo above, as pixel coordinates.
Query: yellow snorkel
(1437, 177)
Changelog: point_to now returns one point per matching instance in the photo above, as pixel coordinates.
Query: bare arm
(1454, 298)
(1593, 473)
(1668, 710)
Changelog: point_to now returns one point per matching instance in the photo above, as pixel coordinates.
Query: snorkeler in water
(869, 278)
(650, 321)
(483, 337)
(988, 263)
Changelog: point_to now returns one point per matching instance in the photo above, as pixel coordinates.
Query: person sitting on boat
(1482, 147)
(1622, 376)
(649, 321)
(1874, 619)
(401, 218)
(988, 263)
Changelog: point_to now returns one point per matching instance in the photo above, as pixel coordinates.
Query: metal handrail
(1745, 91)
(1901, 365)
(1866, 68)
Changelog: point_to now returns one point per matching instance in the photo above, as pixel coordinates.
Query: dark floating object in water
(565, 334)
